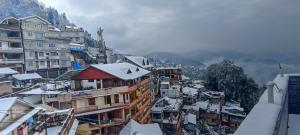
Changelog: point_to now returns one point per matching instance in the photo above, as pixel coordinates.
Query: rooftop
(167, 103)
(123, 71)
(7, 71)
(29, 76)
(267, 118)
(134, 128)
(140, 61)
(190, 91)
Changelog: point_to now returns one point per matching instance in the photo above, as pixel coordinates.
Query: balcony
(98, 92)
(11, 49)
(11, 61)
(97, 107)
(136, 86)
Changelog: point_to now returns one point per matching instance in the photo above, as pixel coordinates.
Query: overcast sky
(144, 26)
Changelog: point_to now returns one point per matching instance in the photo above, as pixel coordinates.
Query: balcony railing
(97, 107)
(11, 49)
(11, 61)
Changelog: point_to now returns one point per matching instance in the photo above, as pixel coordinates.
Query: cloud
(139, 27)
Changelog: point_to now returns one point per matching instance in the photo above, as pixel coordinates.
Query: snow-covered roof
(202, 104)
(48, 89)
(5, 105)
(19, 122)
(198, 86)
(35, 16)
(190, 118)
(167, 103)
(184, 77)
(7, 71)
(29, 76)
(263, 117)
(165, 82)
(134, 128)
(213, 94)
(213, 108)
(140, 61)
(189, 91)
(233, 110)
(121, 70)
(76, 44)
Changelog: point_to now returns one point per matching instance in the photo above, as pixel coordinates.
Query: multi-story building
(107, 96)
(167, 113)
(174, 73)
(11, 49)
(46, 52)
(232, 116)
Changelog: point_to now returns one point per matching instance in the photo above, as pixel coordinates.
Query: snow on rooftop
(19, 122)
(48, 89)
(213, 108)
(233, 110)
(184, 77)
(202, 104)
(121, 70)
(29, 76)
(198, 86)
(189, 91)
(134, 128)
(76, 44)
(190, 118)
(167, 103)
(7, 71)
(263, 117)
(140, 61)
(5, 105)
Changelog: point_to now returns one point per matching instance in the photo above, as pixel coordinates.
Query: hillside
(22, 8)
(261, 67)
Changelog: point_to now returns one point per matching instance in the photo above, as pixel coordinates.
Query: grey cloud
(140, 27)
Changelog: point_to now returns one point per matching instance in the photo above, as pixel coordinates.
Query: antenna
(280, 70)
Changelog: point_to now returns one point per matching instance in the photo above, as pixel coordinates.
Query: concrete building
(46, 52)
(174, 73)
(167, 113)
(107, 96)
(11, 49)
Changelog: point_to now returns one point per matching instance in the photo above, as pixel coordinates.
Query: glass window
(41, 54)
(39, 35)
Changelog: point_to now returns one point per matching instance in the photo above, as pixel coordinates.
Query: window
(0, 44)
(54, 53)
(39, 35)
(29, 34)
(116, 98)
(39, 44)
(42, 63)
(92, 101)
(91, 80)
(51, 45)
(55, 62)
(31, 54)
(42, 54)
(107, 100)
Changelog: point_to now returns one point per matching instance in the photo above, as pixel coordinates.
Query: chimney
(270, 88)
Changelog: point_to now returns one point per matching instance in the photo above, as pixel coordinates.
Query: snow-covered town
(59, 78)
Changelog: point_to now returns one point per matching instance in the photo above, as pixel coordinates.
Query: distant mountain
(262, 67)
(177, 58)
(23, 8)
